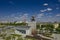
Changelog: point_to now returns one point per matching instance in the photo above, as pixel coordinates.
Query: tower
(32, 18)
(32, 23)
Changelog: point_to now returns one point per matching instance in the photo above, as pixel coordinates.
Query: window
(22, 31)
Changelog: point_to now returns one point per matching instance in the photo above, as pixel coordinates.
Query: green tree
(20, 38)
(8, 38)
(38, 26)
(15, 35)
(49, 27)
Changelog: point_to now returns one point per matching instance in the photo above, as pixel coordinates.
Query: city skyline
(17, 10)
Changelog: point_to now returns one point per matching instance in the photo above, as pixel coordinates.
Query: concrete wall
(28, 32)
(32, 24)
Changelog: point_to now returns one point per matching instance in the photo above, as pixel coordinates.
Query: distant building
(56, 25)
(21, 22)
(23, 30)
(20, 30)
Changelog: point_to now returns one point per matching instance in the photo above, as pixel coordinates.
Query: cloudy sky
(17, 10)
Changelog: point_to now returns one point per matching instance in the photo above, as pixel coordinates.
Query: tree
(20, 38)
(8, 38)
(38, 26)
(58, 29)
(50, 27)
(15, 35)
(3, 32)
(47, 28)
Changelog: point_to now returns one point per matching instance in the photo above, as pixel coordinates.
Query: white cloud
(58, 15)
(40, 15)
(49, 9)
(45, 4)
(43, 10)
(16, 17)
(57, 7)
(50, 16)
(24, 17)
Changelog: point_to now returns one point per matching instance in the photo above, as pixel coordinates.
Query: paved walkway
(44, 37)
(1, 38)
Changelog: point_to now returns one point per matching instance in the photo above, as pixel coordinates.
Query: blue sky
(17, 10)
